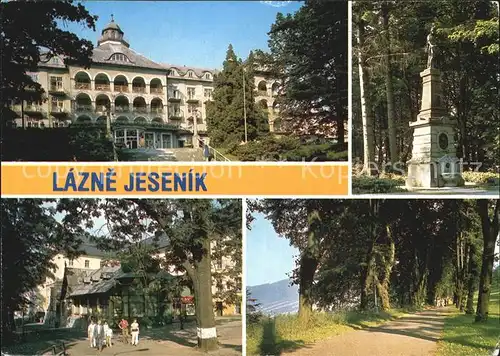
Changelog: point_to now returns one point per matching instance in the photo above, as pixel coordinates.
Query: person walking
(108, 333)
(135, 332)
(123, 325)
(99, 335)
(206, 152)
(90, 333)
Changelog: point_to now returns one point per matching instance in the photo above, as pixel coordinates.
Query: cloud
(276, 3)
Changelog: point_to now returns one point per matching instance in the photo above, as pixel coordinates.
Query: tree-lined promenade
(368, 258)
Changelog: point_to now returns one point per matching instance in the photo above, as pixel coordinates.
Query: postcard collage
(317, 177)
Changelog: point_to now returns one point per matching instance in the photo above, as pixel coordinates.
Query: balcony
(138, 89)
(175, 115)
(261, 92)
(82, 86)
(102, 108)
(103, 87)
(57, 90)
(192, 100)
(33, 109)
(83, 108)
(156, 90)
(158, 110)
(58, 111)
(122, 108)
(140, 109)
(121, 88)
(176, 98)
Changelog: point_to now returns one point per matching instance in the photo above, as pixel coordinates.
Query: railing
(54, 349)
(216, 155)
(192, 99)
(140, 109)
(82, 86)
(56, 88)
(84, 107)
(102, 108)
(121, 88)
(175, 115)
(119, 108)
(261, 92)
(139, 89)
(33, 108)
(57, 109)
(157, 110)
(105, 87)
(154, 90)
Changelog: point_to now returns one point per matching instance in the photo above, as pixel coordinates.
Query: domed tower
(112, 33)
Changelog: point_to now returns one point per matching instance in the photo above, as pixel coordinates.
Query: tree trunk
(490, 232)
(472, 277)
(366, 108)
(309, 263)
(391, 117)
(201, 276)
(460, 274)
(383, 285)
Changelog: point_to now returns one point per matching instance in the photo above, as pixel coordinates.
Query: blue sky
(268, 257)
(192, 33)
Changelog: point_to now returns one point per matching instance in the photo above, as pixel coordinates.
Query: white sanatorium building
(149, 104)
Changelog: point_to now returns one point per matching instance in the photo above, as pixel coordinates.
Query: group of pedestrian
(134, 329)
(99, 334)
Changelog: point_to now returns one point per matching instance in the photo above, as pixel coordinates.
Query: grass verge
(463, 337)
(272, 336)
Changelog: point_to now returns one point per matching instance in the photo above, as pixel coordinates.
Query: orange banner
(154, 179)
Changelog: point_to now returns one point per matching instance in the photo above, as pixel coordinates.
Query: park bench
(59, 350)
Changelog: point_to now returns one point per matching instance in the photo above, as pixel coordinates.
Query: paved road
(413, 335)
(175, 343)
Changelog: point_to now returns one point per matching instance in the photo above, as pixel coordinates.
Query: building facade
(143, 103)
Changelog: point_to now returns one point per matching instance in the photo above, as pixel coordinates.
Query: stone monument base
(430, 175)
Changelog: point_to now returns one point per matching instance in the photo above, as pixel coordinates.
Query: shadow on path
(272, 344)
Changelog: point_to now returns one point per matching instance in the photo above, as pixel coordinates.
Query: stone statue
(431, 48)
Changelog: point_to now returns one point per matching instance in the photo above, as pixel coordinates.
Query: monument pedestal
(434, 162)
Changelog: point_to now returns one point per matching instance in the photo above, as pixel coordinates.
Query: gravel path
(413, 335)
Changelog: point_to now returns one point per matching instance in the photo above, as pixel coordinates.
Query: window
(190, 74)
(119, 57)
(219, 262)
(70, 263)
(56, 83)
(192, 109)
(191, 93)
(128, 138)
(208, 94)
(56, 104)
(54, 60)
(208, 76)
(87, 263)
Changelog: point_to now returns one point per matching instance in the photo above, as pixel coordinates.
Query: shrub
(56, 144)
(289, 148)
(373, 185)
(482, 178)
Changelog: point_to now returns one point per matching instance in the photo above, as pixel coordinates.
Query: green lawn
(272, 336)
(463, 337)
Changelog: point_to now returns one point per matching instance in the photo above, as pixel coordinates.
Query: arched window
(208, 76)
(119, 57)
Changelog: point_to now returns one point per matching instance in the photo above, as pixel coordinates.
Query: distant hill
(276, 298)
